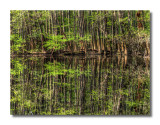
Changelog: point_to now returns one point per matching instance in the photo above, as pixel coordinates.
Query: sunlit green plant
(18, 43)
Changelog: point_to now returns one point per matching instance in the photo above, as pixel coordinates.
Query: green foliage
(18, 43)
(87, 37)
(62, 111)
(55, 42)
(55, 69)
(18, 67)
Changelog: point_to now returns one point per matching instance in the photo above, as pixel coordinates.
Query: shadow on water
(80, 85)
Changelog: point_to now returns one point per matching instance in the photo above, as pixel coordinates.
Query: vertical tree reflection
(93, 85)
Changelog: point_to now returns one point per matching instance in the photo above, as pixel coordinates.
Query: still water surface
(80, 85)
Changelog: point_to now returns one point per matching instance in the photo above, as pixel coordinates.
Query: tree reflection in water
(80, 85)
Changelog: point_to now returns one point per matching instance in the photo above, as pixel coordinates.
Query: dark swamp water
(80, 85)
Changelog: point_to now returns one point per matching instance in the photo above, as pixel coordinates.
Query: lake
(80, 85)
